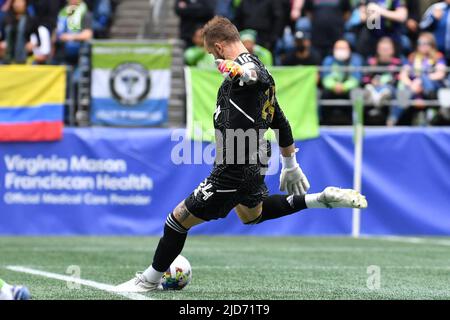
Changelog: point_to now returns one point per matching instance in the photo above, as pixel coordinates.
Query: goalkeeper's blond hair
(220, 29)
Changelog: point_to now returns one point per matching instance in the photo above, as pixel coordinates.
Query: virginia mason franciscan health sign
(130, 83)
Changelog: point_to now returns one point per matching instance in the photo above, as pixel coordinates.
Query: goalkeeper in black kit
(246, 107)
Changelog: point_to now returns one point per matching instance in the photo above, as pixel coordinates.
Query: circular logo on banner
(130, 83)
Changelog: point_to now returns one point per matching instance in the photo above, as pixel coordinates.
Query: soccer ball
(178, 275)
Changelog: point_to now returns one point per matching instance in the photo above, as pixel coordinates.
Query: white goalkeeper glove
(292, 178)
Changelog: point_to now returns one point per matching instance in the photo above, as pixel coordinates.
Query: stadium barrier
(441, 101)
(104, 181)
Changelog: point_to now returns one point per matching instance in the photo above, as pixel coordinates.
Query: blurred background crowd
(407, 52)
(397, 53)
(37, 31)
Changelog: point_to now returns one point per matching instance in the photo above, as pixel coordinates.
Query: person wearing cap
(304, 53)
(248, 38)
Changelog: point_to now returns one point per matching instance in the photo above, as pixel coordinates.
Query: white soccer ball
(178, 275)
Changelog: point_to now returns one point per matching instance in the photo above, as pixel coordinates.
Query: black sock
(278, 206)
(170, 245)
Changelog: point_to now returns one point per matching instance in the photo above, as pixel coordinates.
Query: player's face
(216, 51)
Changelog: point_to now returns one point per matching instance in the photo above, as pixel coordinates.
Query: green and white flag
(130, 83)
(296, 89)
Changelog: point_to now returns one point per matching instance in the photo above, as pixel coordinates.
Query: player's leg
(213, 199)
(169, 247)
(172, 242)
(277, 206)
(273, 207)
(9, 292)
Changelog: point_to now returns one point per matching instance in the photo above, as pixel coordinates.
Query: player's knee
(248, 217)
(175, 225)
(250, 222)
(181, 213)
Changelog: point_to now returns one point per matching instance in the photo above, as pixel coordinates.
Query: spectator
(193, 13)
(17, 32)
(43, 20)
(197, 55)
(327, 22)
(412, 26)
(227, 8)
(292, 11)
(423, 76)
(298, 16)
(73, 31)
(101, 17)
(4, 8)
(264, 16)
(2, 47)
(248, 38)
(383, 18)
(437, 20)
(381, 85)
(337, 82)
(304, 53)
(354, 23)
(296, 10)
(293, 21)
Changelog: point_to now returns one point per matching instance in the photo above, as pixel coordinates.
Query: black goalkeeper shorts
(225, 188)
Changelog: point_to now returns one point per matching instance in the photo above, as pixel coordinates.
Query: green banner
(296, 89)
(109, 54)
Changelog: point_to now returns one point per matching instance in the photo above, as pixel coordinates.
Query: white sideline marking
(89, 283)
(416, 240)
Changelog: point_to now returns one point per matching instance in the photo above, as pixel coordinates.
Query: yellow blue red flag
(32, 103)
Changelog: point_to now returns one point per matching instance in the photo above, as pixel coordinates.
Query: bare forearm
(400, 15)
(404, 77)
(287, 151)
(86, 35)
(437, 76)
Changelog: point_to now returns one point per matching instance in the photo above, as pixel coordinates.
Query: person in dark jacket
(304, 54)
(327, 22)
(412, 23)
(266, 17)
(193, 13)
(18, 28)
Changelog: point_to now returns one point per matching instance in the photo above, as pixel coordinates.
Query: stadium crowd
(407, 53)
(56, 32)
(50, 31)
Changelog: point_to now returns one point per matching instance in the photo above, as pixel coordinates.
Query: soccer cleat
(138, 284)
(333, 197)
(20, 293)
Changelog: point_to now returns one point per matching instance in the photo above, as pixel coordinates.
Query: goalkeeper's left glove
(292, 178)
(232, 70)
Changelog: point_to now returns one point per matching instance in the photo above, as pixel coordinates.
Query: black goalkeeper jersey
(244, 112)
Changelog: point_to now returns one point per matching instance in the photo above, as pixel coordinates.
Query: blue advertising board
(105, 181)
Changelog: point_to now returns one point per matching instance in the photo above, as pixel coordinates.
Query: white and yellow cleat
(333, 197)
(138, 285)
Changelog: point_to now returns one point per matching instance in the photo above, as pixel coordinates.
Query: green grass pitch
(240, 267)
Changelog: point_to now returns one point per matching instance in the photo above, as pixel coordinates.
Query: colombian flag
(32, 102)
